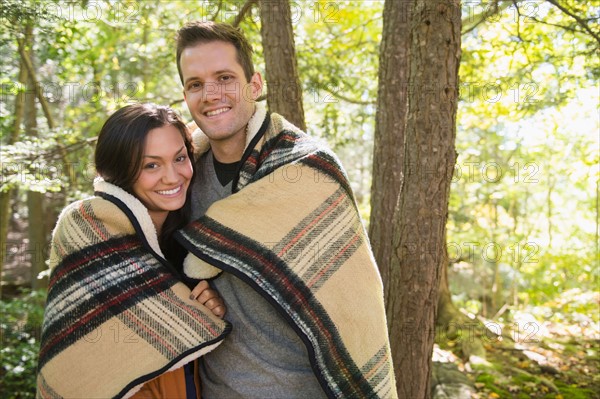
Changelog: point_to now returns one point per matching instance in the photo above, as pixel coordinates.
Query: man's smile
(217, 111)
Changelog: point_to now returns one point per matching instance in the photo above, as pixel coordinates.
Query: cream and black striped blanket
(116, 316)
(292, 231)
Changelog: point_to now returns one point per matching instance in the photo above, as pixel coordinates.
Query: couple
(274, 239)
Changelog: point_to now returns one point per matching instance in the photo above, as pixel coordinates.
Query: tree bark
(388, 151)
(4, 220)
(447, 313)
(35, 200)
(388, 159)
(37, 237)
(284, 92)
(414, 261)
(6, 196)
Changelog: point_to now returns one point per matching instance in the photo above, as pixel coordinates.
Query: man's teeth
(217, 111)
(170, 192)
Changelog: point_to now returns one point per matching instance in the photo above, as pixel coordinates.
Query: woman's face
(166, 172)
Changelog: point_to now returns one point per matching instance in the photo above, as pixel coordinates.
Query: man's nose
(212, 92)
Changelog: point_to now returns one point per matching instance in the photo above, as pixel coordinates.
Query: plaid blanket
(292, 231)
(116, 316)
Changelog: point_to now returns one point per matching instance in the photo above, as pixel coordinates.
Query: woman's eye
(151, 166)
(181, 158)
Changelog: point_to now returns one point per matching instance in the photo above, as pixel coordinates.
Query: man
(276, 225)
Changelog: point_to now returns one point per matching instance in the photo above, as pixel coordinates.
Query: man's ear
(256, 84)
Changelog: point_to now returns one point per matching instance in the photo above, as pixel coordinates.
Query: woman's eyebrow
(158, 157)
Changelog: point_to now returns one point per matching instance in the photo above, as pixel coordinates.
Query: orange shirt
(170, 385)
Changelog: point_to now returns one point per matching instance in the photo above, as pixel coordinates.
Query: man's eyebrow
(219, 72)
(157, 157)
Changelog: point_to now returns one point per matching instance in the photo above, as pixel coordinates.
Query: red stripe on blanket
(328, 266)
(312, 223)
(193, 313)
(93, 221)
(166, 345)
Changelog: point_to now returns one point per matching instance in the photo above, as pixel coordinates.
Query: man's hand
(209, 298)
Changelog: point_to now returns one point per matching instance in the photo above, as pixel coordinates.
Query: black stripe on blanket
(271, 277)
(116, 289)
(324, 163)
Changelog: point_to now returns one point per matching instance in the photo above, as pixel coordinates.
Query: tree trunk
(6, 196)
(388, 151)
(35, 200)
(37, 237)
(4, 219)
(284, 93)
(388, 159)
(415, 258)
(448, 315)
(498, 299)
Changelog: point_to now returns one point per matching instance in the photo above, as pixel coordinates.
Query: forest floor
(551, 361)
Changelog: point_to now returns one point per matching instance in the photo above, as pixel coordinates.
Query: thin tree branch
(567, 28)
(579, 20)
(216, 13)
(176, 102)
(348, 99)
(243, 12)
(37, 86)
(58, 151)
(481, 18)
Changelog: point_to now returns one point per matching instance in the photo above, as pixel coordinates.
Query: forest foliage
(523, 231)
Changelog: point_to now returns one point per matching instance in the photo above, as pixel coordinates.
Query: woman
(118, 321)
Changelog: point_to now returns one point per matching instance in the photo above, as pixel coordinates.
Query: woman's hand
(209, 298)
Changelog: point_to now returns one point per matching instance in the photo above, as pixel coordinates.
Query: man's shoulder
(285, 134)
(279, 124)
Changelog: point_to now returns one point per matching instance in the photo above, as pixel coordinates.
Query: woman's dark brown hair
(119, 153)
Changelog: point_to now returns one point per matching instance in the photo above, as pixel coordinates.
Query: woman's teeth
(170, 192)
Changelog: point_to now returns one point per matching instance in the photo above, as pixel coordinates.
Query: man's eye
(226, 78)
(194, 86)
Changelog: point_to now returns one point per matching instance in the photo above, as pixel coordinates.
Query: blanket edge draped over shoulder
(116, 316)
(291, 230)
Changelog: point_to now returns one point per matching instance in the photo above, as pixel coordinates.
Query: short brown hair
(198, 32)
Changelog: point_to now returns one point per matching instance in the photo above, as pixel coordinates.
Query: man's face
(217, 94)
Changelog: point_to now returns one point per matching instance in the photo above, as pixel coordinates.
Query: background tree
(418, 234)
(284, 91)
(388, 170)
